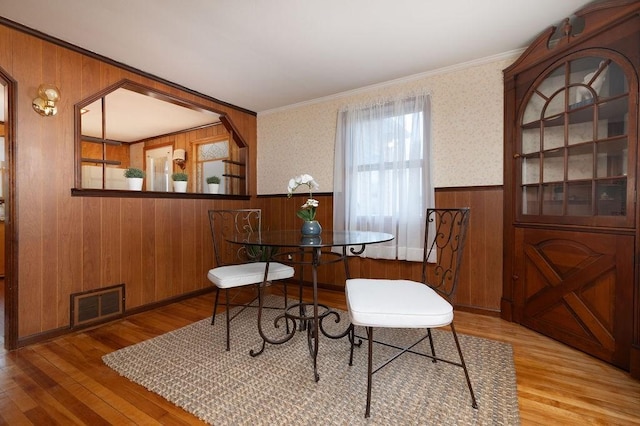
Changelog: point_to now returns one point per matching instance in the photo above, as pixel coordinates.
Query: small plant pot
(179, 186)
(135, 184)
(214, 188)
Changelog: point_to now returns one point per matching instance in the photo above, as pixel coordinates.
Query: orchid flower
(308, 209)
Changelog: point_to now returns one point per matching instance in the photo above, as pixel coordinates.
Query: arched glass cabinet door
(575, 160)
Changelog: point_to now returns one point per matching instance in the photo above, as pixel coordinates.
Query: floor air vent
(97, 305)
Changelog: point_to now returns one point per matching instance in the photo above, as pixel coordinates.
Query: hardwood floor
(64, 381)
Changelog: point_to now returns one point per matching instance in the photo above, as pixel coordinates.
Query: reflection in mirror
(158, 168)
(129, 125)
(209, 156)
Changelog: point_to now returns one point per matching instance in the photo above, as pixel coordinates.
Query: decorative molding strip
(440, 189)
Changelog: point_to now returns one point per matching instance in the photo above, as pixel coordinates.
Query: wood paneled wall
(480, 287)
(159, 247)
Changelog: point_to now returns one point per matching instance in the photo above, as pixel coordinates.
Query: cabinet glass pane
(530, 203)
(555, 106)
(553, 82)
(552, 197)
(533, 111)
(553, 135)
(613, 118)
(579, 199)
(575, 94)
(531, 169)
(612, 158)
(582, 68)
(553, 166)
(589, 75)
(616, 81)
(580, 128)
(530, 141)
(612, 197)
(580, 162)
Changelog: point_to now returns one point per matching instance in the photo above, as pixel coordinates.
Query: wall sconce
(45, 103)
(179, 157)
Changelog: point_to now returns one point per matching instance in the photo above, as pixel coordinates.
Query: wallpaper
(467, 128)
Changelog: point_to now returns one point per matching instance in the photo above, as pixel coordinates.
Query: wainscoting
(481, 276)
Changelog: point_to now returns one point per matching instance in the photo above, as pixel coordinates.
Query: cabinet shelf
(101, 161)
(609, 108)
(234, 176)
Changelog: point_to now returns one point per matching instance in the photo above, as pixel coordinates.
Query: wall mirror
(129, 125)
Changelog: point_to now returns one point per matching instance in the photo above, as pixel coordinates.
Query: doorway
(2, 158)
(9, 291)
(158, 168)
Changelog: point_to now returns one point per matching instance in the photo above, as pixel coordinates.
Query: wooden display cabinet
(571, 216)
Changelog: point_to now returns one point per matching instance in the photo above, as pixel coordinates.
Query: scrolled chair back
(224, 223)
(445, 237)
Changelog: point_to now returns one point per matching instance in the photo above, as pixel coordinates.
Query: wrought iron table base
(306, 251)
(299, 318)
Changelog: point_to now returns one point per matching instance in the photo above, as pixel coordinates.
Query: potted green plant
(214, 184)
(135, 178)
(180, 181)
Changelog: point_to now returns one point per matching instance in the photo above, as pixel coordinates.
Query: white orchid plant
(308, 209)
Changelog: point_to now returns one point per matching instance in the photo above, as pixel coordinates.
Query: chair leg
(369, 370)
(433, 349)
(352, 338)
(215, 306)
(474, 404)
(226, 296)
(286, 303)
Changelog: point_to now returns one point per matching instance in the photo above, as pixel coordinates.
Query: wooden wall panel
(481, 278)
(131, 254)
(28, 162)
(148, 217)
(68, 225)
(71, 244)
(91, 245)
(479, 281)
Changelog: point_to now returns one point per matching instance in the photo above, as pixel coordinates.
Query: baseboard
(479, 311)
(634, 362)
(506, 310)
(41, 337)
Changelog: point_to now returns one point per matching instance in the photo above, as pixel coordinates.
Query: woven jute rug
(191, 368)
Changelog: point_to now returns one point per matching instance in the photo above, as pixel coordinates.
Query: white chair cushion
(229, 276)
(396, 304)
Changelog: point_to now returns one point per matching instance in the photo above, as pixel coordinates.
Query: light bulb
(49, 92)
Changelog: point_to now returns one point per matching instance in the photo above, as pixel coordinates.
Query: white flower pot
(179, 186)
(213, 188)
(135, 184)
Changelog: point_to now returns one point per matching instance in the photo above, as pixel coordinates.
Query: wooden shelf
(100, 161)
(608, 108)
(234, 176)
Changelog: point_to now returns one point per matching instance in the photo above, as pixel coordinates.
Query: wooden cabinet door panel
(577, 288)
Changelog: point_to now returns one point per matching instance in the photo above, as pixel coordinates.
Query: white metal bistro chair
(410, 304)
(238, 265)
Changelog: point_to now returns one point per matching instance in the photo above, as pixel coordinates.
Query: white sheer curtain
(382, 177)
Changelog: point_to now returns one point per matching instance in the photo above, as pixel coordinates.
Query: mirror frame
(234, 136)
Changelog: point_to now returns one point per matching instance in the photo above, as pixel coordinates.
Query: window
(382, 175)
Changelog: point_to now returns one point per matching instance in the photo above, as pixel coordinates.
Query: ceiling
(264, 55)
(132, 116)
